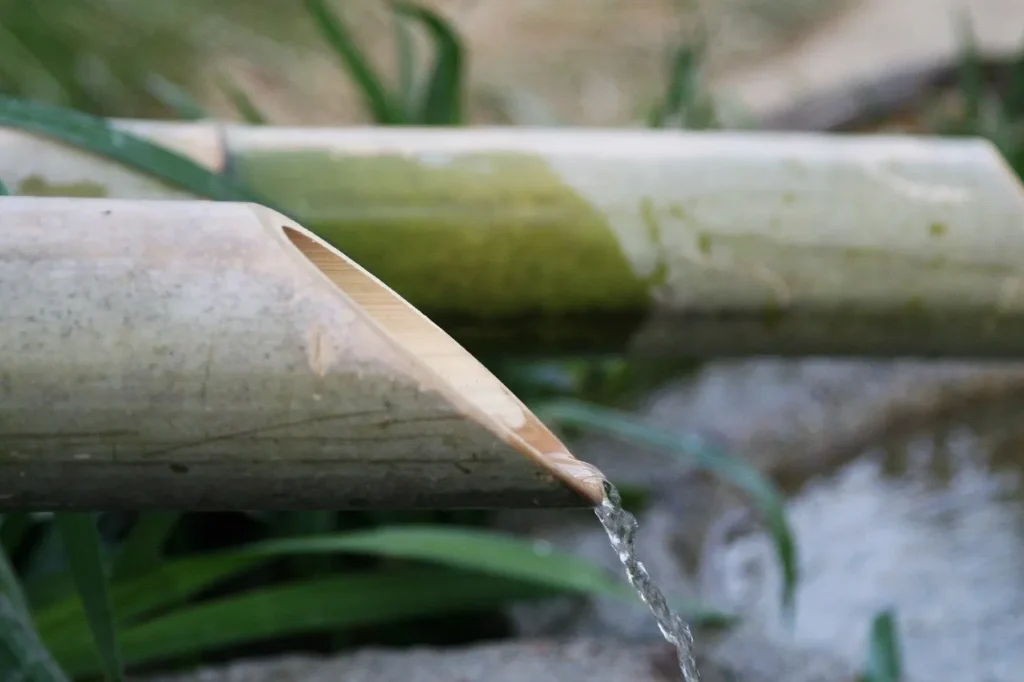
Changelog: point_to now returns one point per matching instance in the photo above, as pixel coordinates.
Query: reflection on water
(932, 525)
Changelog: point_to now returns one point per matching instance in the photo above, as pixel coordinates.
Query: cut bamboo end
(456, 373)
(208, 355)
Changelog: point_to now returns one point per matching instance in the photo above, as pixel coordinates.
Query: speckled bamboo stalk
(200, 355)
(663, 243)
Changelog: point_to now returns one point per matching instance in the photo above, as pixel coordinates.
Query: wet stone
(585, 660)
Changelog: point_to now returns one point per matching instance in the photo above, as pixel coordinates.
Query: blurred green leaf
(406, 62)
(3, 190)
(685, 103)
(98, 136)
(333, 29)
(761, 492)
(168, 585)
(243, 104)
(20, 65)
(308, 606)
(11, 587)
(82, 544)
(22, 656)
(143, 549)
(884, 662)
(442, 102)
(175, 98)
(467, 549)
(515, 561)
(971, 78)
(304, 523)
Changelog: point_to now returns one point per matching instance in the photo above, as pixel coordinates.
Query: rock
(584, 660)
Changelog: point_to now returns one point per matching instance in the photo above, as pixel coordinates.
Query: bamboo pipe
(201, 355)
(660, 243)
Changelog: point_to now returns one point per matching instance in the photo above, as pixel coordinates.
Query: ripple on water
(932, 525)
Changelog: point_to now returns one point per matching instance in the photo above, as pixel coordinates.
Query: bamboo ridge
(661, 243)
(201, 355)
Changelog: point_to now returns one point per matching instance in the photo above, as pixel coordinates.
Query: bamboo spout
(200, 355)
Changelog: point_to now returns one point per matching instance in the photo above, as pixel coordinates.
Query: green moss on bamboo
(38, 186)
(478, 234)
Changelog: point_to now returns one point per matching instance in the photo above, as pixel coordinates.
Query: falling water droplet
(621, 527)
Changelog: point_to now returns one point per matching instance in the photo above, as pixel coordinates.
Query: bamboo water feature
(659, 243)
(185, 354)
(201, 355)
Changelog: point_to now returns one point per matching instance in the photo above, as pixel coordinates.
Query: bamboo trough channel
(658, 243)
(202, 355)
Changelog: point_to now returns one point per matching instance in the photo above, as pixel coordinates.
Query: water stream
(621, 527)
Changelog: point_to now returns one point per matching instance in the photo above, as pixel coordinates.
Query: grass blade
(484, 552)
(11, 587)
(884, 662)
(406, 64)
(970, 77)
(175, 98)
(502, 557)
(143, 549)
(307, 606)
(22, 656)
(442, 102)
(82, 543)
(243, 104)
(337, 35)
(464, 549)
(166, 586)
(680, 87)
(734, 471)
(98, 136)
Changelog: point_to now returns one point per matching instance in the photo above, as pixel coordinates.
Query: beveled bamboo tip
(449, 368)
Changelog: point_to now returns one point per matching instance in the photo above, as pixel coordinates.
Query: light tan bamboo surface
(201, 355)
(663, 243)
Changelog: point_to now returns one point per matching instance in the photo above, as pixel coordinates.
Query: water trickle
(621, 527)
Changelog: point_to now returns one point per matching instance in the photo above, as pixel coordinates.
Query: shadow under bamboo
(660, 243)
(200, 355)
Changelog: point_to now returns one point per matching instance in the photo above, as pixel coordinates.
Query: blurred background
(900, 481)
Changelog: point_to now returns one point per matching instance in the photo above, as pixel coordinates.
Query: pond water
(930, 523)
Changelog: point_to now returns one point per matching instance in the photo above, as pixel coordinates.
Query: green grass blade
(10, 586)
(166, 586)
(314, 605)
(21, 66)
(884, 662)
(175, 98)
(143, 549)
(22, 656)
(406, 63)
(499, 556)
(82, 543)
(680, 87)
(98, 136)
(242, 103)
(305, 523)
(462, 548)
(970, 76)
(442, 100)
(338, 37)
(730, 469)
(479, 551)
